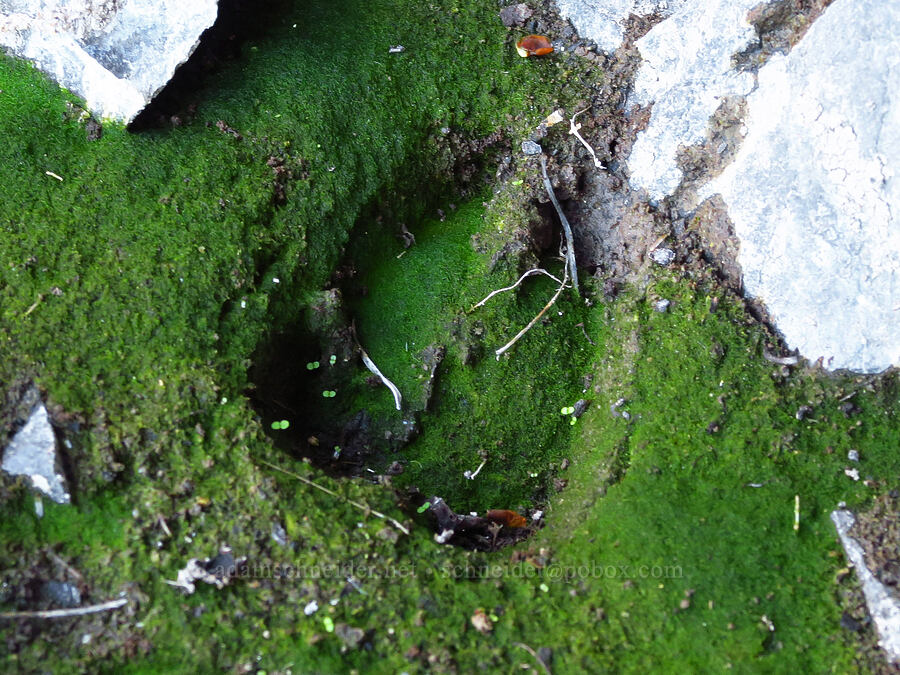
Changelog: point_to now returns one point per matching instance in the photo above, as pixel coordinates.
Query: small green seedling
(280, 424)
(328, 622)
(337, 452)
(424, 507)
(329, 393)
(332, 360)
(569, 410)
(312, 365)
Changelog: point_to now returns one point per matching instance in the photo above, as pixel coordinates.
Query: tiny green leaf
(312, 365)
(424, 507)
(332, 360)
(567, 410)
(329, 624)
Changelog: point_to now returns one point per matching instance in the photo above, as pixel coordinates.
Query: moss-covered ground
(141, 291)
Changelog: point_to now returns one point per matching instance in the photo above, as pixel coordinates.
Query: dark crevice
(237, 22)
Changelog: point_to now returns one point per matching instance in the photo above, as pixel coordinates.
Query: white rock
(32, 453)
(813, 194)
(883, 607)
(604, 22)
(115, 54)
(686, 73)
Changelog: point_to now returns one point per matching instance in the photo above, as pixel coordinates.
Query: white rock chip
(603, 21)
(883, 607)
(686, 73)
(116, 54)
(32, 453)
(813, 193)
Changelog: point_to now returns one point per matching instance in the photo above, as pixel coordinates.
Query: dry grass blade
(358, 505)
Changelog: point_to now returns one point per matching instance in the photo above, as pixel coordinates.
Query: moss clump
(179, 256)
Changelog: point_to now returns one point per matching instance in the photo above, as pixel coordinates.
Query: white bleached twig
(61, 613)
(567, 229)
(536, 270)
(522, 332)
(573, 129)
(370, 364)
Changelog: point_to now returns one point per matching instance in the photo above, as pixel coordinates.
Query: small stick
(60, 613)
(796, 513)
(361, 507)
(570, 241)
(534, 654)
(535, 319)
(34, 306)
(53, 175)
(164, 526)
(536, 270)
(573, 129)
(374, 369)
(471, 475)
(62, 563)
(586, 336)
(780, 360)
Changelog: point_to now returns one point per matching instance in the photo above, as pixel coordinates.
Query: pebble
(662, 256)
(531, 148)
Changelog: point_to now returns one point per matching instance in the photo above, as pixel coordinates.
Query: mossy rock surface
(170, 290)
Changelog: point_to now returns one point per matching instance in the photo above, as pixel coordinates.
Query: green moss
(139, 290)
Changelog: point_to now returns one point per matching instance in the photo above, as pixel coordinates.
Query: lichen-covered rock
(32, 453)
(604, 22)
(812, 192)
(116, 54)
(883, 607)
(686, 71)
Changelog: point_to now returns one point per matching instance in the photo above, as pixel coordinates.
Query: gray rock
(813, 194)
(32, 453)
(662, 256)
(687, 69)
(60, 594)
(349, 635)
(604, 22)
(515, 15)
(883, 607)
(116, 54)
(531, 148)
(662, 306)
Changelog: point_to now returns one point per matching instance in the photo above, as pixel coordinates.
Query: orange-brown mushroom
(506, 517)
(533, 45)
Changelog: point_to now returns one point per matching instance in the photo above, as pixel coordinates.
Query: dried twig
(536, 318)
(361, 507)
(472, 474)
(791, 360)
(34, 305)
(374, 369)
(61, 613)
(567, 229)
(534, 654)
(573, 129)
(536, 270)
